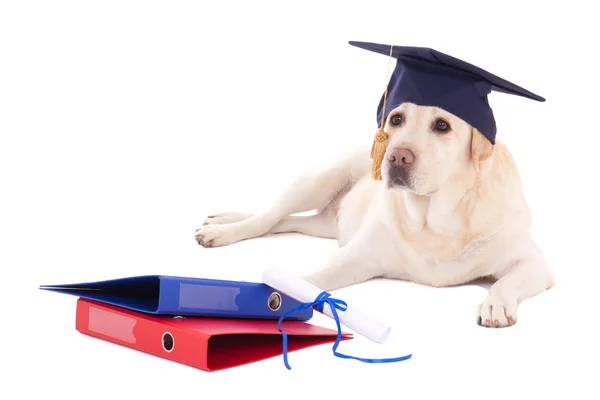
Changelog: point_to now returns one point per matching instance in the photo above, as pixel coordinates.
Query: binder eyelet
(274, 301)
(168, 342)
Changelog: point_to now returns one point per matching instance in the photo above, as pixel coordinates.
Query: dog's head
(429, 147)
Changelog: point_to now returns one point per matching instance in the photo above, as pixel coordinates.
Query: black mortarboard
(427, 77)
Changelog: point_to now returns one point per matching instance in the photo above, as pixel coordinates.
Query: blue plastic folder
(170, 295)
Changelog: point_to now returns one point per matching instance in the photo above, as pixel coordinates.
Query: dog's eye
(441, 125)
(396, 120)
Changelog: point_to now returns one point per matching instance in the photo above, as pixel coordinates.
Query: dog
(449, 209)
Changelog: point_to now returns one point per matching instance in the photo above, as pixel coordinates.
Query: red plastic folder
(210, 344)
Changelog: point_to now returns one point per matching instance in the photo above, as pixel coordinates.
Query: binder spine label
(110, 324)
(194, 296)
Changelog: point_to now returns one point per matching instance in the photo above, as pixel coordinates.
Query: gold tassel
(378, 152)
(380, 142)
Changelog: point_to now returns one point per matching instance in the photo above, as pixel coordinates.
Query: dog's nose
(401, 157)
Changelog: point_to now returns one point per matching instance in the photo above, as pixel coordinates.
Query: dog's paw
(496, 312)
(216, 235)
(226, 218)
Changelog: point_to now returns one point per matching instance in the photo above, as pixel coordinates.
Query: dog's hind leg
(322, 225)
(312, 191)
(226, 218)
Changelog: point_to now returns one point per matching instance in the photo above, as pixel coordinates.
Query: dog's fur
(456, 215)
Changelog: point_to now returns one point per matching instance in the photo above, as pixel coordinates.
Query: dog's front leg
(364, 257)
(523, 279)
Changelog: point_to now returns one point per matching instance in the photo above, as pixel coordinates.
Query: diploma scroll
(303, 291)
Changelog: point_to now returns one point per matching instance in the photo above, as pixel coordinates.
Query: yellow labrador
(450, 209)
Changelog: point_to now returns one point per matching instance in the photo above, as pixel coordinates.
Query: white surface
(352, 317)
(124, 123)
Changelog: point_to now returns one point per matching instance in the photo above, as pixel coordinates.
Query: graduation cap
(428, 77)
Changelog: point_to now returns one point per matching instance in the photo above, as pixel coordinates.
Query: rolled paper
(303, 291)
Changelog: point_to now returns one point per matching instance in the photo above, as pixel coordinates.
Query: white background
(124, 123)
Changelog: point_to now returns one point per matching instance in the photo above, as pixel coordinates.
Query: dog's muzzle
(400, 163)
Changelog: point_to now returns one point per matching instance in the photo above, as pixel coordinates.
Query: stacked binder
(204, 323)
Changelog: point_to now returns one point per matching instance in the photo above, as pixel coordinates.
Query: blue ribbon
(334, 304)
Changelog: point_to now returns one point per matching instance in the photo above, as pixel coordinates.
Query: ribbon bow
(334, 304)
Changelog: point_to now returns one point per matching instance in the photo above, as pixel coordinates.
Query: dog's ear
(481, 148)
